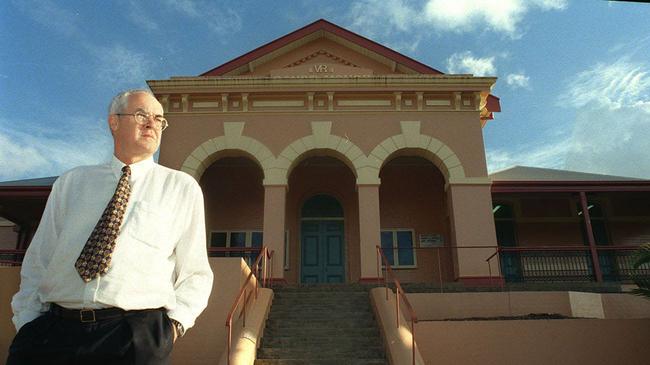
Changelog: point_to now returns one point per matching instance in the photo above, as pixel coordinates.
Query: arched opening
(414, 219)
(234, 202)
(322, 222)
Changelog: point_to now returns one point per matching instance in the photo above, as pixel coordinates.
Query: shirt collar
(137, 169)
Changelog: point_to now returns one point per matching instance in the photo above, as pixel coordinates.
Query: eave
(569, 186)
(320, 83)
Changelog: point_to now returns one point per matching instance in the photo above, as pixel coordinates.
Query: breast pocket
(151, 224)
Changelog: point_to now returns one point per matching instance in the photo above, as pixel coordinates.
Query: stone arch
(321, 139)
(209, 151)
(425, 146)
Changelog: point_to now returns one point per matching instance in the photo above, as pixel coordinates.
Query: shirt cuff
(178, 315)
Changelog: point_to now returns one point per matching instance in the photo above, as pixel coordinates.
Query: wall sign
(431, 240)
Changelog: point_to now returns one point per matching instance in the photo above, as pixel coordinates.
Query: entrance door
(322, 243)
(322, 252)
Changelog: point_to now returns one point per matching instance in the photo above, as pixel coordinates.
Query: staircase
(321, 324)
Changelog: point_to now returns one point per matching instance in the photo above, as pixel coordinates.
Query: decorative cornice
(320, 83)
(322, 52)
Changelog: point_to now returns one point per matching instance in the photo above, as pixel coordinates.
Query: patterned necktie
(95, 257)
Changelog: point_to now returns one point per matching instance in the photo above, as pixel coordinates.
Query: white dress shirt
(160, 257)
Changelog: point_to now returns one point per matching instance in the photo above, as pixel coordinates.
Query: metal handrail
(399, 293)
(496, 253)
(15, 261)
(262, 263)
(560, 248)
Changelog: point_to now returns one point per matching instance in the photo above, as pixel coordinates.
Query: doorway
(322, 241)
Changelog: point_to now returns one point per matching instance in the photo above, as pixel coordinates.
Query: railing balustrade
(11, 257)
(262, 267)
(383, 265)
(568, 263)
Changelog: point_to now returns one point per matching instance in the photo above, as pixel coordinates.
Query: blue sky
(574, 76)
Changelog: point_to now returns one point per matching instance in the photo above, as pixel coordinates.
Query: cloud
(121, 67)
(383, 17)
(35, 151)
(465, 62)
(139, 16)
(49, 14)
(548, 155)
(221, 21)
(405, 46)
(613, 142)
(18, 158)
(518, 81)
(612, 86)
(611, 133)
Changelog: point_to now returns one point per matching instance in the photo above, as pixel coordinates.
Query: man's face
(132, 139)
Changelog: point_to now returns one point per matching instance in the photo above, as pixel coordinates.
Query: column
(369, 231)
(274, 212)
(590, 237)
(472, 225)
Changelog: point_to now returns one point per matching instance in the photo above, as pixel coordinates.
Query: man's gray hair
(121, 100)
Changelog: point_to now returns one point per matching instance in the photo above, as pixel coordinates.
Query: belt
(90, 315)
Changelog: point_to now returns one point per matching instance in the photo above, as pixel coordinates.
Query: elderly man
(118, 268)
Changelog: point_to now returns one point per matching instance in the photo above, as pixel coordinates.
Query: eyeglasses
(143, 118)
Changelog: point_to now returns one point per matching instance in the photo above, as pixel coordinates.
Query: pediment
(321, 56)
(321, 46)
(321, 63)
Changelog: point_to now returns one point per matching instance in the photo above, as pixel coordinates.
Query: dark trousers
(142, 338)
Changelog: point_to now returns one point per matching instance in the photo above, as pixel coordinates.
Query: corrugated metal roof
(43, 181)
(525, 173)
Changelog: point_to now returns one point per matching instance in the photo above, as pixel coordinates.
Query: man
(118, 268)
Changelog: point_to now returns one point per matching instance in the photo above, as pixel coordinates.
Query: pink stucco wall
(203, 344)
(234, 195)
(412, 196)
(459, 130)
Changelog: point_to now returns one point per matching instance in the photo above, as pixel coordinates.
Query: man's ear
(113, 122)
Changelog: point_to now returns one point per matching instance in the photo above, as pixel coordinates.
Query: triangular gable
(315, 30)
(321, 28)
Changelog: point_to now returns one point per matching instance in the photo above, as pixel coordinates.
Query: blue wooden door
(322, 251)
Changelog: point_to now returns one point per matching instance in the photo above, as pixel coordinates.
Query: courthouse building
(323, 145)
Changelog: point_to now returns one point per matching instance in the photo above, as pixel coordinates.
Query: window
(504, 224)
(397, 245)
(598, 225)
(237, 239)
(254, 239)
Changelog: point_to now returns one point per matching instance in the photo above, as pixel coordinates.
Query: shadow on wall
(203, 344)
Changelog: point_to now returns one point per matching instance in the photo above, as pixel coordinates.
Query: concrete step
(291, 340)
(326, 313)
(321, 323)
(329, 346)
(323, 288)
(321, 295)
(317, 352)
(283, 305)
(325, 361)
(319, 332)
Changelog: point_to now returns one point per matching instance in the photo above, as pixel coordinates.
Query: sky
(573, 75)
